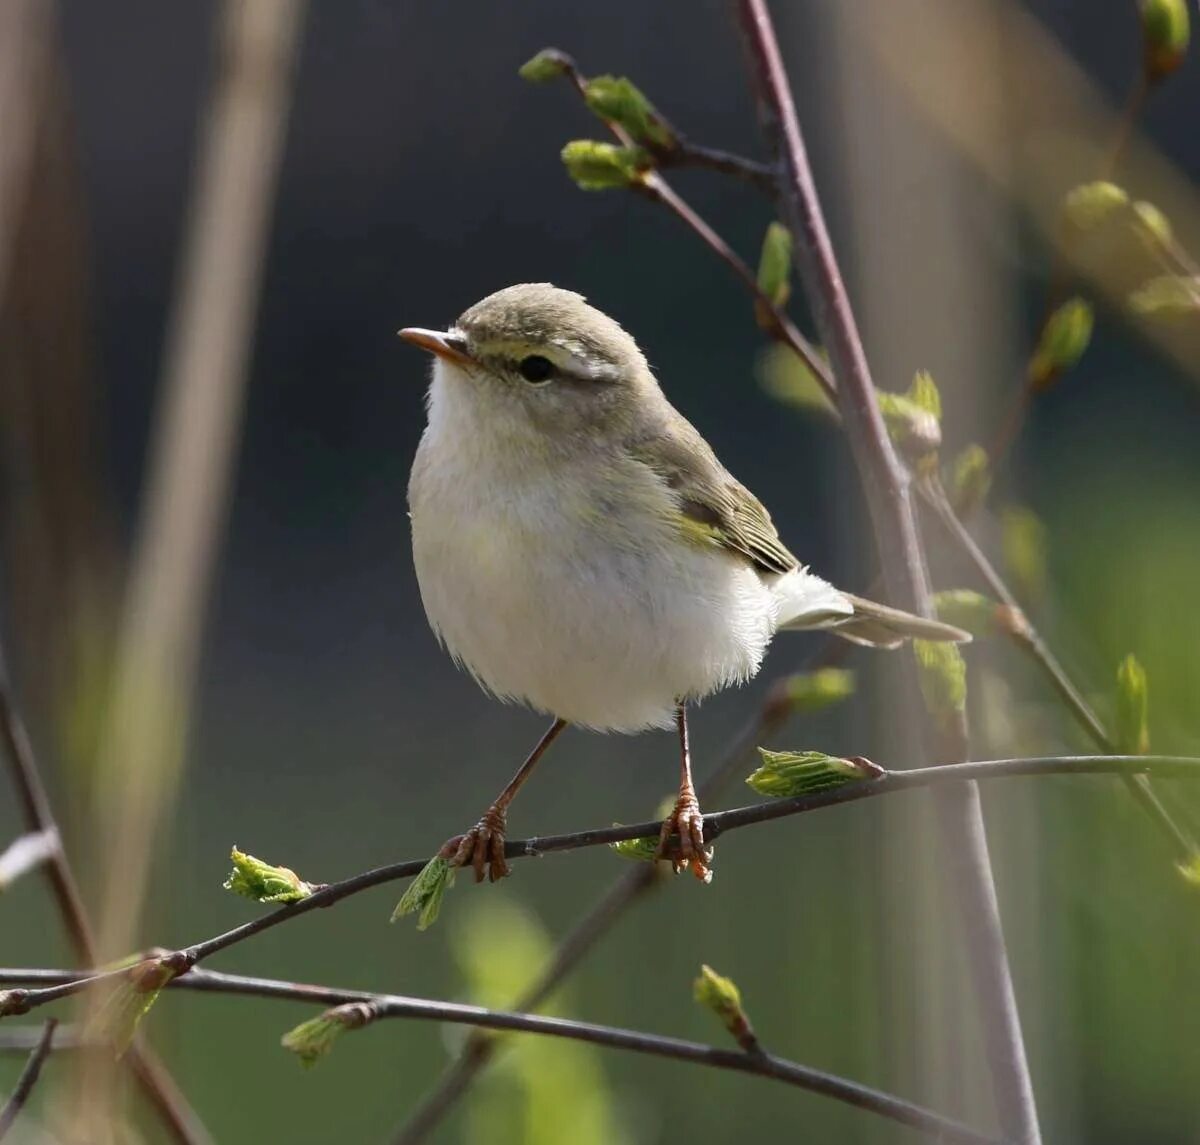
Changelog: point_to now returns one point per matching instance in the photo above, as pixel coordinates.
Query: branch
(654, 187)
(28, 1078)
(901, 554)
(398, 1006)
(180, 962)
(156, 1082)
(1029, 639)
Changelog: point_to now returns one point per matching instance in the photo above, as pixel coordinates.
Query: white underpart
(552, 599)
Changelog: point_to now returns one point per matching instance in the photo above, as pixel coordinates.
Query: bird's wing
(715, 508)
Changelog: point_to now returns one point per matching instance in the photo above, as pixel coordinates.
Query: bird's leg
(482, 847)
(686, 821)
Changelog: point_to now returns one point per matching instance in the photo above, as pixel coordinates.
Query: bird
(580, 549)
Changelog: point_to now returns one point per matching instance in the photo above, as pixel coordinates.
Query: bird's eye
(535, 368)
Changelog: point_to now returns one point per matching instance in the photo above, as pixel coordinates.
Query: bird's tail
(810, 603)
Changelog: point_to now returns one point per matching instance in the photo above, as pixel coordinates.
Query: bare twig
(28, 1079)
(902, 558)
(763, 1065)
(155, 1081)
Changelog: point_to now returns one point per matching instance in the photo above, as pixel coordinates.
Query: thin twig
(903, 560)
(599, 920)
(28, 1079)
(154, 1079)
(763, 1065)
(686, 153)
(1030, 641)
(655, 187)
(19, 1001)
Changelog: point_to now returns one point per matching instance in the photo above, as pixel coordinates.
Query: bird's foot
(682, 839)
(481, 848)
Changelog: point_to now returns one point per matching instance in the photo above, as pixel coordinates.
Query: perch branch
(28, 1079)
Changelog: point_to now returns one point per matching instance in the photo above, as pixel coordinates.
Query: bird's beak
(445, 344)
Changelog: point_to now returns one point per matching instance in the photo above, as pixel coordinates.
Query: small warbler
(580, 549)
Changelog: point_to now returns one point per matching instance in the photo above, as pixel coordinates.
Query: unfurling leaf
(618, 100)
(424, 894)
(942, 674)
(602, 166)
(1063, 340)
(114, 1020)
(912, 426)
(923, 393)
(254, 879)
(965, 608)
(1167, 294)
(786, 773)
(1131, 731)
(1023, 543)
(719, 994)
(641, 850)
(1166, 30)
(547, 65)
(788, 378)
(1092, 204)
(970, 479)
(775, 264)
(312, 1040)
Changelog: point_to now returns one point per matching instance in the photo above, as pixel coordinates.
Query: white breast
(553, 596)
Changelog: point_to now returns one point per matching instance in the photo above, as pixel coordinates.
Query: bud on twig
(788, 378)
(254, 879)
(642, 850)
(1089, 205)
(774, 273)
(424, 894)
(723, 998)
(617, 100)
(313, 1039)
(965, 608)
(547, 65)
(942, 674)
(914, 418)
(1023, 544)
(115, 1019)
(970, 479)
(810, 691)
(783, 774)
(1165, 34)
(1131, 730)
(1152, 226)
(598, 166)
(1063, 340)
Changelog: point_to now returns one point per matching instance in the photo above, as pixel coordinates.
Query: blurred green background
(331, 734)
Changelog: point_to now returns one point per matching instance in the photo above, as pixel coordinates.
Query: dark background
(332, 734)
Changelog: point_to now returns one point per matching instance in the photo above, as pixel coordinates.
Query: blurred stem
(761, 1064)
(1027, 637)
(28, 1079)
(886, 484)
(157, 1084)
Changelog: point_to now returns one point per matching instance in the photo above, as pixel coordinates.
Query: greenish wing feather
(712, 502)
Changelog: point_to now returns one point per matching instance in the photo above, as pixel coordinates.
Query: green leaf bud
(942, 674)
(547, 65)
(254, 879)
(617, 100)
(602, 166)
(1166, 30)
(783, 774)
(1169, 294)
(970, 479)
(1131, 730)
(1091, 204)
(1063, 340)
(312, 1040)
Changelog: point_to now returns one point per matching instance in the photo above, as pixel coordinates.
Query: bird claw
(686, 851)
(481, 848)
